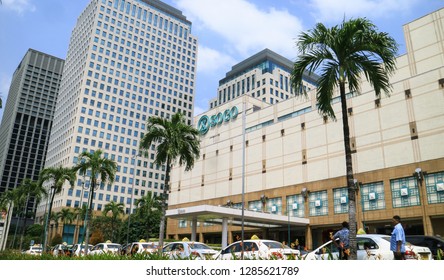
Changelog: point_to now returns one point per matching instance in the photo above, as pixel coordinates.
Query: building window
(318, 203)
(295, 206)
(405, 192)
(340, 200)
(372, 196)
(434, 187)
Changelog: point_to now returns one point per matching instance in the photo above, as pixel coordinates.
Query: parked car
(142, 247)
(61, 250)
(370, 247)
(434, 243)
(188, 249)
(35, 250)
(79, 249)
(257, 249)
(105, 248)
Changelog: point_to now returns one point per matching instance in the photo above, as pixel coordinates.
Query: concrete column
(193, 229)
(224, 232)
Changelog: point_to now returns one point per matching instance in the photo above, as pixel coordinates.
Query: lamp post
(288, 214)
(132, 198)
(419, 175)
(244, 105)
(84, 187)
(357, 185)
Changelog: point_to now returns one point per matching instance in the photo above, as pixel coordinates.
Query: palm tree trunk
(164, 202)
(45, 242)
(24, 223)
(350, 183)
(89, 211)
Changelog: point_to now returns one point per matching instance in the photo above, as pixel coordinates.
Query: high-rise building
(127, 60)
(27, 120)
(264, 76)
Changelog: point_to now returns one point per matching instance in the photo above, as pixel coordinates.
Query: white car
(105, 248)
(188, 249)
(79, 249)
(370, 247)
(35, 250)
(60, 250)
(259, 249)
(143, 247)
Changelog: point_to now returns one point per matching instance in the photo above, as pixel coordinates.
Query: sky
(228, 31)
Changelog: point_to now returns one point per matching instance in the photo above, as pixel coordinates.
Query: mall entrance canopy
(222, 214)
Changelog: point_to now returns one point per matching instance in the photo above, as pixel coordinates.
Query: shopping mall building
(287, 163)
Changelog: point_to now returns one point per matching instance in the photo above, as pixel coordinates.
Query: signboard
(206, 122)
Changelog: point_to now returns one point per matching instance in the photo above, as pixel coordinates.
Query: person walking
(397, 239)
(344, 241)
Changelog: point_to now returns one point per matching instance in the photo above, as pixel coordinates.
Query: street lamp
(419, 175)
(132, 198)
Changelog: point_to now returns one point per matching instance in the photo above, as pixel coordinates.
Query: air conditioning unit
(343, 200)
(440, 187)
(372, 196)
(273, 208)
(404, 192)
(294, 206)
(318, 203)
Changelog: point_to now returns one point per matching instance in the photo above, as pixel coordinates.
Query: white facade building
(295, 162)
(127, 60)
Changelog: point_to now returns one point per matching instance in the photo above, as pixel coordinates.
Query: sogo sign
(205, 122)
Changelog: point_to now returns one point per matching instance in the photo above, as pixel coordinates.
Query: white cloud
(211, 61)
(19, 6)
(198, 110)
(335, 11)
(244, 26)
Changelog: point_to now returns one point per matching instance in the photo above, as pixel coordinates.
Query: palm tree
(54, 217)
(174, 140)
(29, 189)
(342, 55)
(66, 216)
(99, 168)
(116, 209)
(80, 214)
(9, 200)
(145, 207)
(57, 176)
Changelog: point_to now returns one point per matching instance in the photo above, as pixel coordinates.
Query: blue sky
(228, 31)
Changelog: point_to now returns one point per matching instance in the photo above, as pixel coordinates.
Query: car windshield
(149, 246)
(199, 246)
(113, 246)
(273, 245)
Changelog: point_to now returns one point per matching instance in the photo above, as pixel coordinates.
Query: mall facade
(285, 159)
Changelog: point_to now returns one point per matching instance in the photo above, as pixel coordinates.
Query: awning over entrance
(221, 214)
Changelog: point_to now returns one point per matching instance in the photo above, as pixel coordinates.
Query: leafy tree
(99, 168)
(116, 209)
(147, 210)
(342, 55)
(175, 142)
(57, 176)
(97, 237)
